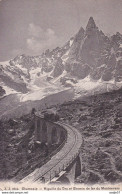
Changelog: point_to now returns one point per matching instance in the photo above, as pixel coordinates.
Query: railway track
(60, 161)
(60, 158)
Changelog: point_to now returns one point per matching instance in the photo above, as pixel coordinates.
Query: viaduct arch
(47, 131)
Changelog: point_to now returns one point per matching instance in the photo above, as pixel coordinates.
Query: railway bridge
(66, 164)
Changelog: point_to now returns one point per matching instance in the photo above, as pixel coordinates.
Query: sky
(32, 26)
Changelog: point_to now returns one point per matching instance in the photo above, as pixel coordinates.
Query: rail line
(61, 157)
(60, 161)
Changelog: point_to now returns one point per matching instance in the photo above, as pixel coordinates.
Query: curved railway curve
(61, 160)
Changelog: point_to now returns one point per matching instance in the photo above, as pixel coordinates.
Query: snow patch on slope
(8, 90)
(4, 63)
(59, 77)
(36, 95)
(65, 57)
(24, 70)
(71, 42)
(40, 93)
(87, 84)
(33, 73)
(120, 46)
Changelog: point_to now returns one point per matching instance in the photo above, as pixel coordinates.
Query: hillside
(20, 154)
(98, 118)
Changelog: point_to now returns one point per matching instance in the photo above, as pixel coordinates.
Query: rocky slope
(94, 54)
(98, 118)
(2, 91)
(19, 154)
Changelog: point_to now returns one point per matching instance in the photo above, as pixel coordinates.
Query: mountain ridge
(90, 53)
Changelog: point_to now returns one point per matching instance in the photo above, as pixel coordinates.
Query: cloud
(35, 30)
(40, 39)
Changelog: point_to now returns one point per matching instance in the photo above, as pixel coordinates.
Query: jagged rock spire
(91, 24)
(80, 34)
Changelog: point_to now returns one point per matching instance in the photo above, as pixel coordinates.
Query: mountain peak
(80, 32)
(91, 24)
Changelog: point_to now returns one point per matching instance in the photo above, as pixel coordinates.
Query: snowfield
(39, 94)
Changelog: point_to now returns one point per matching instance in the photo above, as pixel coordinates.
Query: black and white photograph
(61, 94)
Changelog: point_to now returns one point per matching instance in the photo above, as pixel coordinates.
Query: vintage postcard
(60, 96)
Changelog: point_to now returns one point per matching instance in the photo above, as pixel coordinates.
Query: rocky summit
(95, 54)
(90, 55)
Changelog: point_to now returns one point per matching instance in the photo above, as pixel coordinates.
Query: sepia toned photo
(60, 95)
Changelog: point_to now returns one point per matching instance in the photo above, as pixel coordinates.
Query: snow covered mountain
(89, 62)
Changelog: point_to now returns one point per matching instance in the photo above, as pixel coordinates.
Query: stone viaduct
(47, 132)
(66, 164)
